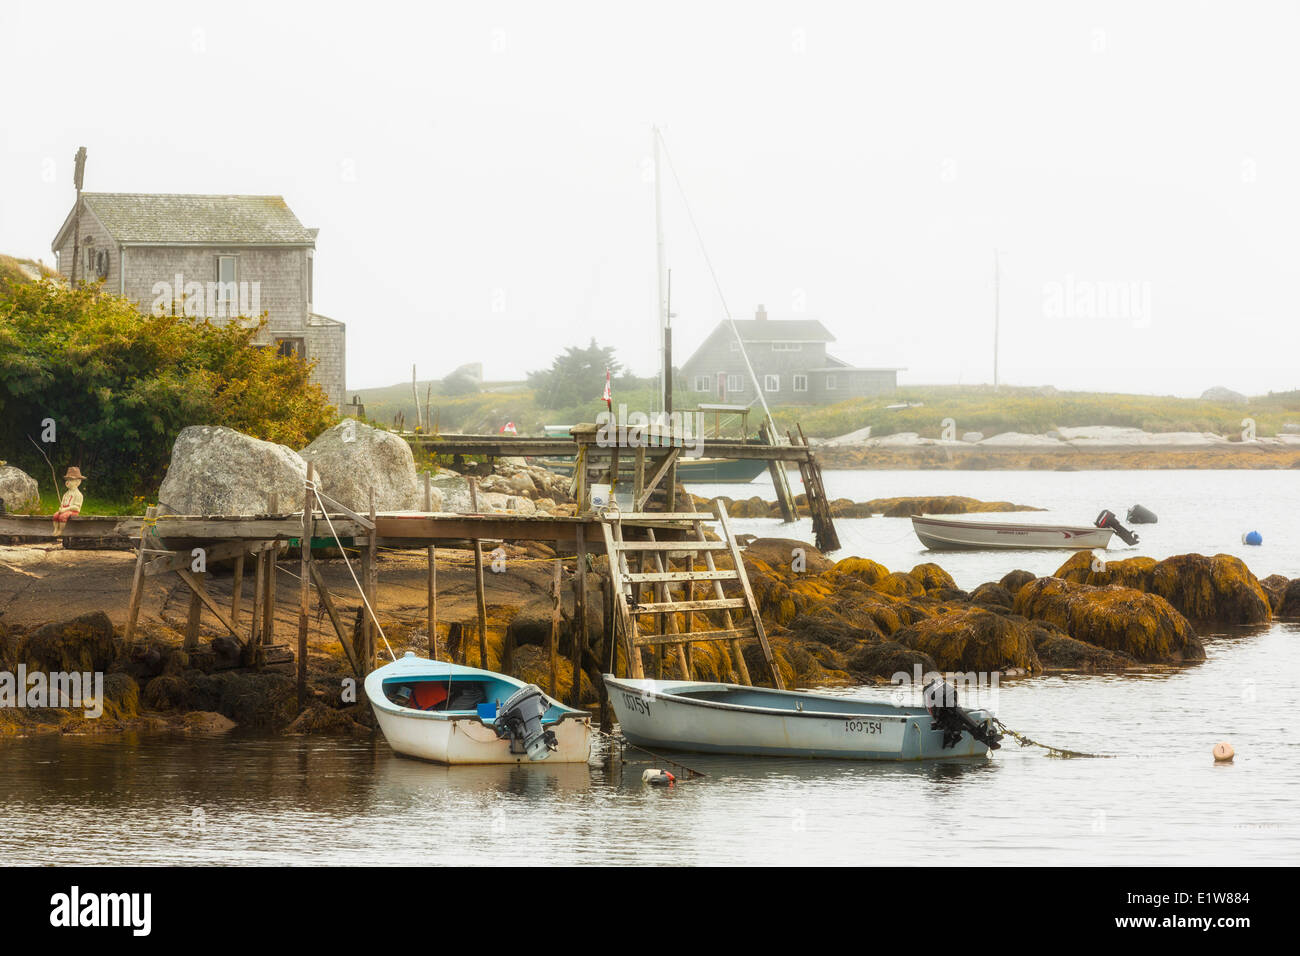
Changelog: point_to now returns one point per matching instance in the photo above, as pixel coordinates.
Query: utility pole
(997, 277)
(78, 177)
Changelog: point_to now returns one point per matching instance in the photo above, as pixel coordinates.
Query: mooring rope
(624, 742)
(311, 485)
(1051, 751)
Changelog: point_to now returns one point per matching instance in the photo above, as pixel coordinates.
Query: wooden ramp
(646, 584)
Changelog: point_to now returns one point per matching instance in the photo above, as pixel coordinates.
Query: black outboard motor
(1107, 519)
(520, 719)
(941, 702)
(1139, 515)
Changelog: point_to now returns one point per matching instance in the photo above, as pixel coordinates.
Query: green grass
(1034, 411)
(973, 408)
(93, 504)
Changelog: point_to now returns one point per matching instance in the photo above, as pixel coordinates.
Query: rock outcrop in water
(1122, 619)
(1218, 589)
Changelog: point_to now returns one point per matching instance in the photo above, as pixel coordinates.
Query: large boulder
(352, 458)
(1144, 626)
(18, 490)
(218, 471)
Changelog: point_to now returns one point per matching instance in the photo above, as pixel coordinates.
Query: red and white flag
(509, 429)
(607, 398)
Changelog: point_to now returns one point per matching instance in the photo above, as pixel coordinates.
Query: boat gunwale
(621, 685)
(382, 702)
(992, 526)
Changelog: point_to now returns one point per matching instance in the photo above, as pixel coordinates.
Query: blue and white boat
(759, 721)
(453, 714)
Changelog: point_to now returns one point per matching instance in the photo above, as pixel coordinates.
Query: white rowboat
(955, 534)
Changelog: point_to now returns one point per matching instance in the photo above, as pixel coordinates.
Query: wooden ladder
(655, 569)
(819, 505)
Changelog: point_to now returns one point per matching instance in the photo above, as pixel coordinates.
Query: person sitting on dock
(70, 504)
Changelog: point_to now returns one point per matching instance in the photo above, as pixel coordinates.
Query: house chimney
(761, 314)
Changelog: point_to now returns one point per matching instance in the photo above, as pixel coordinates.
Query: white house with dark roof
(209, 256)
(790, 360)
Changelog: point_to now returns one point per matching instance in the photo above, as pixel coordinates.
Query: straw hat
(74, 472)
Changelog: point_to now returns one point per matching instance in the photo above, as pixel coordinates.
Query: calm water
(1161, 799)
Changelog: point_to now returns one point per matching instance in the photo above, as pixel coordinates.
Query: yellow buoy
(1223, 752)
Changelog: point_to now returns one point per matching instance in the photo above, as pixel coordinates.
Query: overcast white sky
(858, 161)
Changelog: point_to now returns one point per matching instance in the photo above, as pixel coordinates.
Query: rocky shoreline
(845, 622)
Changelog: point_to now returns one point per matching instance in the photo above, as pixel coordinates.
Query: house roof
(171, 218)
(780, 330)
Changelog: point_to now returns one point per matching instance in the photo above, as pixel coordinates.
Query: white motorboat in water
(760, 721)
(453, 714)
(957, 534)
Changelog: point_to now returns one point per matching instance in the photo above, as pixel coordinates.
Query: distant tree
(120, 385)
(459, 382)
(576, 376)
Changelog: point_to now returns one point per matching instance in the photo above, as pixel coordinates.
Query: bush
(120, 385)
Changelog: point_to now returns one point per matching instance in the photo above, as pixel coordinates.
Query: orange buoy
(1223, 752)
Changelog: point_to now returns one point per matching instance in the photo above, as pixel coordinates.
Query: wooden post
(553, 644)
(237, 590)
(259, 598)
(478, 581)
(431, 610)
(372, 586)
(579, 616)
(195, 617)
(268, 602)
(304, 585)
(137, 580)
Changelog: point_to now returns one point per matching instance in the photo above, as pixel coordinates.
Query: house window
(226, 269)
(787, 346)
(831, 384)
(733, 384)
(801, 383)
(291, 348)
(702, 383)
(771, 383)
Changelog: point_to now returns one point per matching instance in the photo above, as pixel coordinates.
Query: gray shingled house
(215, 257)
(789, 357)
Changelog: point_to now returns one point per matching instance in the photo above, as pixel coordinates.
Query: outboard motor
(1107, 519)
(941, 702)
(1139, 515)
(521, 720)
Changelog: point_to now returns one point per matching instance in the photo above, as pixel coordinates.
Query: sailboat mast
(661, 323)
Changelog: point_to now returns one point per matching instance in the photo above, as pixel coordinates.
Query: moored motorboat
(759, 721)
(453, 714)
(955, 534)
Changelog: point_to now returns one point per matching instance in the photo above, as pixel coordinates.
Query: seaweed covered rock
(787, 555)
(1275, 586)
(319, 719)
(887, 658)
(862, 569)
(973, 639)
(941, 505)
(900, 584)
(167, 692)
(1289, 605)
(85, 643)
(266, 700)
(121, 696)
(1058, 651)
(992, 596)
(1218, 589)
(1013, 581)
(1145, 626)
(932, 577)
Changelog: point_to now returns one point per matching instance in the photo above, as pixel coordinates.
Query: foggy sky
(479, 175)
